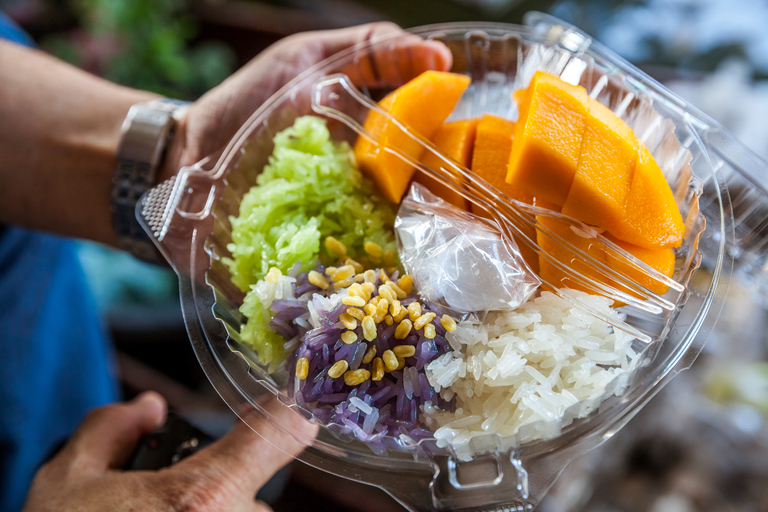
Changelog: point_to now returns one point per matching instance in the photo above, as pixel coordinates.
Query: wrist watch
(145, 135)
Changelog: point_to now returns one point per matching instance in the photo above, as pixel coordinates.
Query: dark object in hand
(169, 444)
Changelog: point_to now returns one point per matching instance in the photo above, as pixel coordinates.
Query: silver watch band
(146, 131)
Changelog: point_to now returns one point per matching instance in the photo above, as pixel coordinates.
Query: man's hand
(214, 119)
(60, 126)
(226, 475)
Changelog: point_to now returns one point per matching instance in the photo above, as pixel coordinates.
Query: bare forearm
(59, 130)
(60, 127)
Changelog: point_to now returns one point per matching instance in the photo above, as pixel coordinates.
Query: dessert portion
(398, 326)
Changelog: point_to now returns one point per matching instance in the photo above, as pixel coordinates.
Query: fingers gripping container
(718, 184)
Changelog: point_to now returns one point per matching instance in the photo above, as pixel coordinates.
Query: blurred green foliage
(148, 46)
(408, 13)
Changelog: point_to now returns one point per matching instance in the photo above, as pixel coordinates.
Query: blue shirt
(9, 31)
(55, 362)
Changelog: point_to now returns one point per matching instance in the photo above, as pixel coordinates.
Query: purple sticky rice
(345, 408)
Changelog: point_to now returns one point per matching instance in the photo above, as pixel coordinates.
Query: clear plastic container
(187, 219)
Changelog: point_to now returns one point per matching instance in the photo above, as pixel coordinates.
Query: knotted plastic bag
(459, 261)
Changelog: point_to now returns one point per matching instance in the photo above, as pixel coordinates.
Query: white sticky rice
(523, 375)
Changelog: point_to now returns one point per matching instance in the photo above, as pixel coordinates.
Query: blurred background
(700, 445)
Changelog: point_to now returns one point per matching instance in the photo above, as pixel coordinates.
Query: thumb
(108, 435)
(245, 459)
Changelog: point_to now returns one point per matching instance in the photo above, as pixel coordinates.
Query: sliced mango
(520, 97)
(651, 217)
(663, 260)
(601, 185)
(612, 182)
(493, 144)
(422, 104)
(456, 140)
(548, 271)
(548, 138)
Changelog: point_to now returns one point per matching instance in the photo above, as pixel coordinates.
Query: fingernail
(442, 54)
(152, 400)
(149, 397)
(144, 396)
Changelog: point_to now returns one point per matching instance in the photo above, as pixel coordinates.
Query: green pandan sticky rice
(311, 189)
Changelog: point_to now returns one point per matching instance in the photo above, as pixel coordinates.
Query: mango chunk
(493, 144)
(422, 104)
(613, 181)
(651, 217)
(520, 96)
(548, 271)
(456, 140)
(603, 177)
(663, 260)
(548, 138)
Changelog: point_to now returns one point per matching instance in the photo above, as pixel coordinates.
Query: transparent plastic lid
(710, 173)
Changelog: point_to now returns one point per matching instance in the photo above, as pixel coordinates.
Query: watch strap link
(146, 132)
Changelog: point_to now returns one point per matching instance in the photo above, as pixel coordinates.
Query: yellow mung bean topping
(403, 351)
(356, 313)
(335, 247)
(344, 272)
(369, 289)
(302, 368)
(355, 264)
(405, 283)
(348, 321)
(448, 323)
(370, 354)
(390, 360)
(355, 290)
(344, 283)
(424, 320)
(403, 329)
(273, 275)
(356, 377)
(381, 309)
(353, 301)
(398, 291)
(389, 258)
(429, 331)
(387, 292)
(373, 249)
(414, 310)
(378, 369)
(369, 328)
(348, 337)
(318, 279)
(338, 369)
(389, 320)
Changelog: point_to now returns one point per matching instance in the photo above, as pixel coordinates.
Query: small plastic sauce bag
(459, 261)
